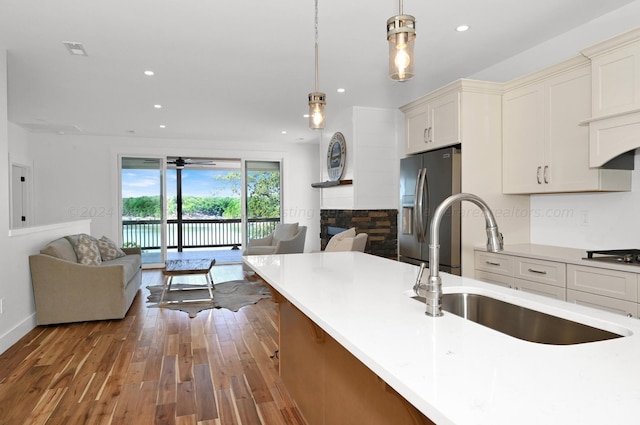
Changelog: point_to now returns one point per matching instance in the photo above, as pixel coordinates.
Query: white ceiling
(241, 70)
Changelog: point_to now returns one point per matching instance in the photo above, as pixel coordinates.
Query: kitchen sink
(521, 322)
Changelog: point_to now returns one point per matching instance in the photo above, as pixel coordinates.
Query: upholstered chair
(347, 241)
(287, 238)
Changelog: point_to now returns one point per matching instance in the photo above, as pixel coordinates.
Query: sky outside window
(199, 183)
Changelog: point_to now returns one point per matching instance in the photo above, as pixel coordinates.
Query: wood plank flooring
(155, 366)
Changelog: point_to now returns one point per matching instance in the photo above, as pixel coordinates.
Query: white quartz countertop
(451, 369)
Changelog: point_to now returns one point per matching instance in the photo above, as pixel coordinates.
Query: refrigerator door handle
(419, 205)
(425, 200)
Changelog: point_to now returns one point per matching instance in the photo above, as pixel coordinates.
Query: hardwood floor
(155, 366)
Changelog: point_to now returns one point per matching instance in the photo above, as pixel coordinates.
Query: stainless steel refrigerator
(425, 181)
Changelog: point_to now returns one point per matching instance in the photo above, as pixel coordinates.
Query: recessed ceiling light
(157, 106)
(305, 116)
(462, 28)
(341, 90)
(148, 73)
(284, 132)
(75, 48)
(163, 126)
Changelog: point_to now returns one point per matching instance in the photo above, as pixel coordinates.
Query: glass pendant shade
(316, 110)
(401, 33)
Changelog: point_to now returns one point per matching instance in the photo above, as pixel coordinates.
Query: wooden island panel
(329, 385)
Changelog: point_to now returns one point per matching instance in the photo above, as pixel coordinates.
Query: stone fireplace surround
(380, 225)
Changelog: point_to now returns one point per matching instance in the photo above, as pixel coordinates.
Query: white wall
(589, 220)
(76, 176)
(585, 221)
(18, 310)
(373, 163)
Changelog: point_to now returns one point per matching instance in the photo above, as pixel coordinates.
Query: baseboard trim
(17, 332)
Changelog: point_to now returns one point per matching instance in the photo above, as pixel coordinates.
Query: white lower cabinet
(495, 278)
(613, 305)
(610, 290)
(523, 274)
(541, 271)
(551, 291)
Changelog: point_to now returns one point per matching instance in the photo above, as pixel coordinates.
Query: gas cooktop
(622, 256)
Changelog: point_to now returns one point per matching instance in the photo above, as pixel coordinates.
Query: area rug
(231, 295)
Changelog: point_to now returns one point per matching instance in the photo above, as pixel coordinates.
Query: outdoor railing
(196, 233)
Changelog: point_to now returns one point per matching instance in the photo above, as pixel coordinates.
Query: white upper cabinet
(615, 66)
(523, 153)
(433, 122)
(545, 150)
(614, 125)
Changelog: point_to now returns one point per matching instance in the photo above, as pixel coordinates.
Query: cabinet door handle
(546, 174)
(537, 271)
(492, 264)
(429, 139)
(424, 135)
(538, 175)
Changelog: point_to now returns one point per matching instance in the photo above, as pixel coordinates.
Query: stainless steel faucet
(433, 293)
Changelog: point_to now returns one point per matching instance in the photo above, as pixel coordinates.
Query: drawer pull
(492, 263)
(537, 271)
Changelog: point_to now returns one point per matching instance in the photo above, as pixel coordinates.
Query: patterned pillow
(87, 250)
(109, 250)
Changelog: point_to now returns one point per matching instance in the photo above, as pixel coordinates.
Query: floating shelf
(331, 183)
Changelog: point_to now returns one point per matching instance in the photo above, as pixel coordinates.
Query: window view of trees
(263, 197)
(192, 206)
(263, 192)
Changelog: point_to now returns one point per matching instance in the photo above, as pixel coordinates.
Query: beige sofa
(67, 291)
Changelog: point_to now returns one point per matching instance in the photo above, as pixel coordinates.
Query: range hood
(614, 127)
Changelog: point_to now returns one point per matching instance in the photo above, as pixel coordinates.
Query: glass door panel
(142, 214)
(203, 207)
(263, 201)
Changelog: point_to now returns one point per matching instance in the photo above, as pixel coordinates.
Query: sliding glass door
(143, 215)
(171, 212)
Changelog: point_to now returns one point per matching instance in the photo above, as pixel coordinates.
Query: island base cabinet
(329, 385)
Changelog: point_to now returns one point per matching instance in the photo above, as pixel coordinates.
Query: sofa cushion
(86, 248)
(336, 241)
(109, 250)
(284, 232)
(131, 265)
(60, 248)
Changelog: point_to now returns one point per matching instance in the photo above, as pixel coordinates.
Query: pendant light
(317, 100)
(401, 33)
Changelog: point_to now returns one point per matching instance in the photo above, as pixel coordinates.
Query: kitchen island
(452, 370)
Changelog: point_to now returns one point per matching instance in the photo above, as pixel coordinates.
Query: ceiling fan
(181, 162)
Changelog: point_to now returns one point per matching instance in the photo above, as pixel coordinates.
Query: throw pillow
(337, 238)
(87, 250)
(109, 250)
(284, 232)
